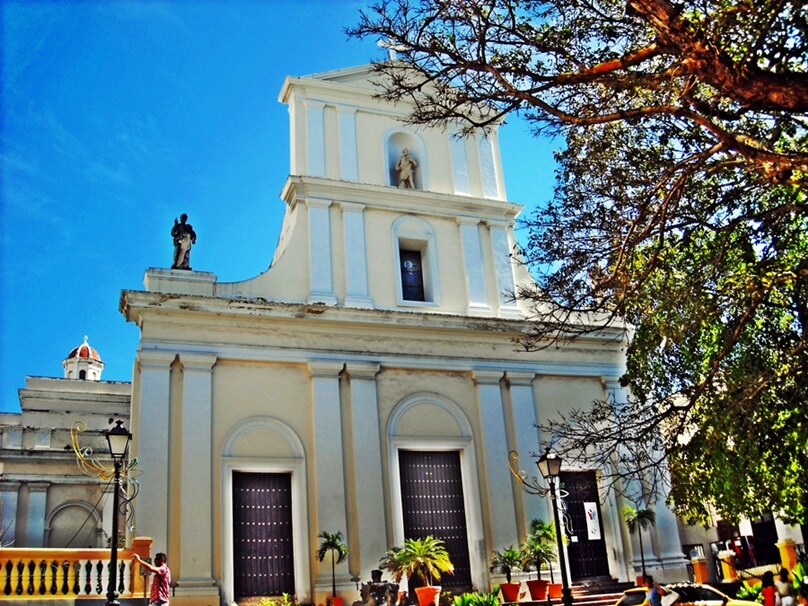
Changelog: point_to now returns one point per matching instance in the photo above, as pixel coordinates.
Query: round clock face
(408, 264)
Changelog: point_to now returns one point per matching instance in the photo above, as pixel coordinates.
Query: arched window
(416, 260)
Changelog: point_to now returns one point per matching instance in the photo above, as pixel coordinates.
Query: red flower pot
(510, 592)
(427, 595)
(538, 589)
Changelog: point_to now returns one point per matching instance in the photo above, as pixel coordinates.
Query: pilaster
(328, 451)
(37, 512)
(196, 477)
(315, 138)
(369, 500)
(666, 531)
(349, 169)
(9, 495)
(150, 444)
(356, 266)
(460, 166)
(322, 289)
(502, 249)
(473, 265)
(488, 169)
(498, 482)
(525, 417)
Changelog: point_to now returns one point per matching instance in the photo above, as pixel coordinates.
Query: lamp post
(118, 438)
(550, 467)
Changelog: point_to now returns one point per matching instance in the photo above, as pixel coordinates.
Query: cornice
(258, 313)
(401, 201)
(331, 88)
(44, 480)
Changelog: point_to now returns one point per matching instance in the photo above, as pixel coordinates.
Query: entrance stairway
(600, 593)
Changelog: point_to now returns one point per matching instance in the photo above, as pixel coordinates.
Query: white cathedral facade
(367, 382)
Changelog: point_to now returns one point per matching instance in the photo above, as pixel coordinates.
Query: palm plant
(536, 552)
(639, 520)
(539, 547)
(505, 561)
(427, 558)
(332, 543)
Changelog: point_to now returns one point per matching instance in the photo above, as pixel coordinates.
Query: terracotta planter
(427, 595)
(538, 589)
(510, 592)
(554, 590)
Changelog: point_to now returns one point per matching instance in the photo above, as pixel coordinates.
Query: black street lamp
(118, 438)
(550, 467)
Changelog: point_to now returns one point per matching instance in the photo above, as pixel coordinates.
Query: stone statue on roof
(184, 237)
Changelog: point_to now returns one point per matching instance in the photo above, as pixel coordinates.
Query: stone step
(590, 594)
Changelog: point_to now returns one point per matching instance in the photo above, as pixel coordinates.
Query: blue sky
(118, 117)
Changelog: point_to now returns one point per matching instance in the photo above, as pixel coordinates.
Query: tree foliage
(679, 214)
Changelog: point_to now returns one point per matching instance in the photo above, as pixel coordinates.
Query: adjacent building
(46, 500)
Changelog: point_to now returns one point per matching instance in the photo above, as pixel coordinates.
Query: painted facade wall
(322, 369)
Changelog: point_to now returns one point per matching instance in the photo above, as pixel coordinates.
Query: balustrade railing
(34, 573)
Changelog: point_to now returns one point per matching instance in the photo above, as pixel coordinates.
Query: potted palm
(332, 543)
(505, 562)
(639, 520)
(539, 549)
(425, 558)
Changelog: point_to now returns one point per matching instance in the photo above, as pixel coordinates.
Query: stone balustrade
(49, 574)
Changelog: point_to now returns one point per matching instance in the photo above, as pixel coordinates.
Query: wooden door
(433, 504)
(263, 558)
(587, 544)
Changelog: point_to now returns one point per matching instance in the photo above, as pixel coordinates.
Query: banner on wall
(592, 521)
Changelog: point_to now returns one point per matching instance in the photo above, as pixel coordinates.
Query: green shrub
(478, 598)
(749, 593)
(285, 600)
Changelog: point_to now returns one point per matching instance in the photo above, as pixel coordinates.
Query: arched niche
(429, 415)
(265, 437)
(74, 523)
(396, 143)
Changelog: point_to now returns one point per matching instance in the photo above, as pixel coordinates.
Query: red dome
(84, 351)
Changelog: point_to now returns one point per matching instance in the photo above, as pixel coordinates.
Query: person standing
(161, 583)
(653, 592)
(784, 588)
(767, 589)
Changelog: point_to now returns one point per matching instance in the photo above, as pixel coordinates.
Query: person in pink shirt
(161, 583)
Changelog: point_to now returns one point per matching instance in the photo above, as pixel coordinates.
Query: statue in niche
(184, 237)
(406, 166)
